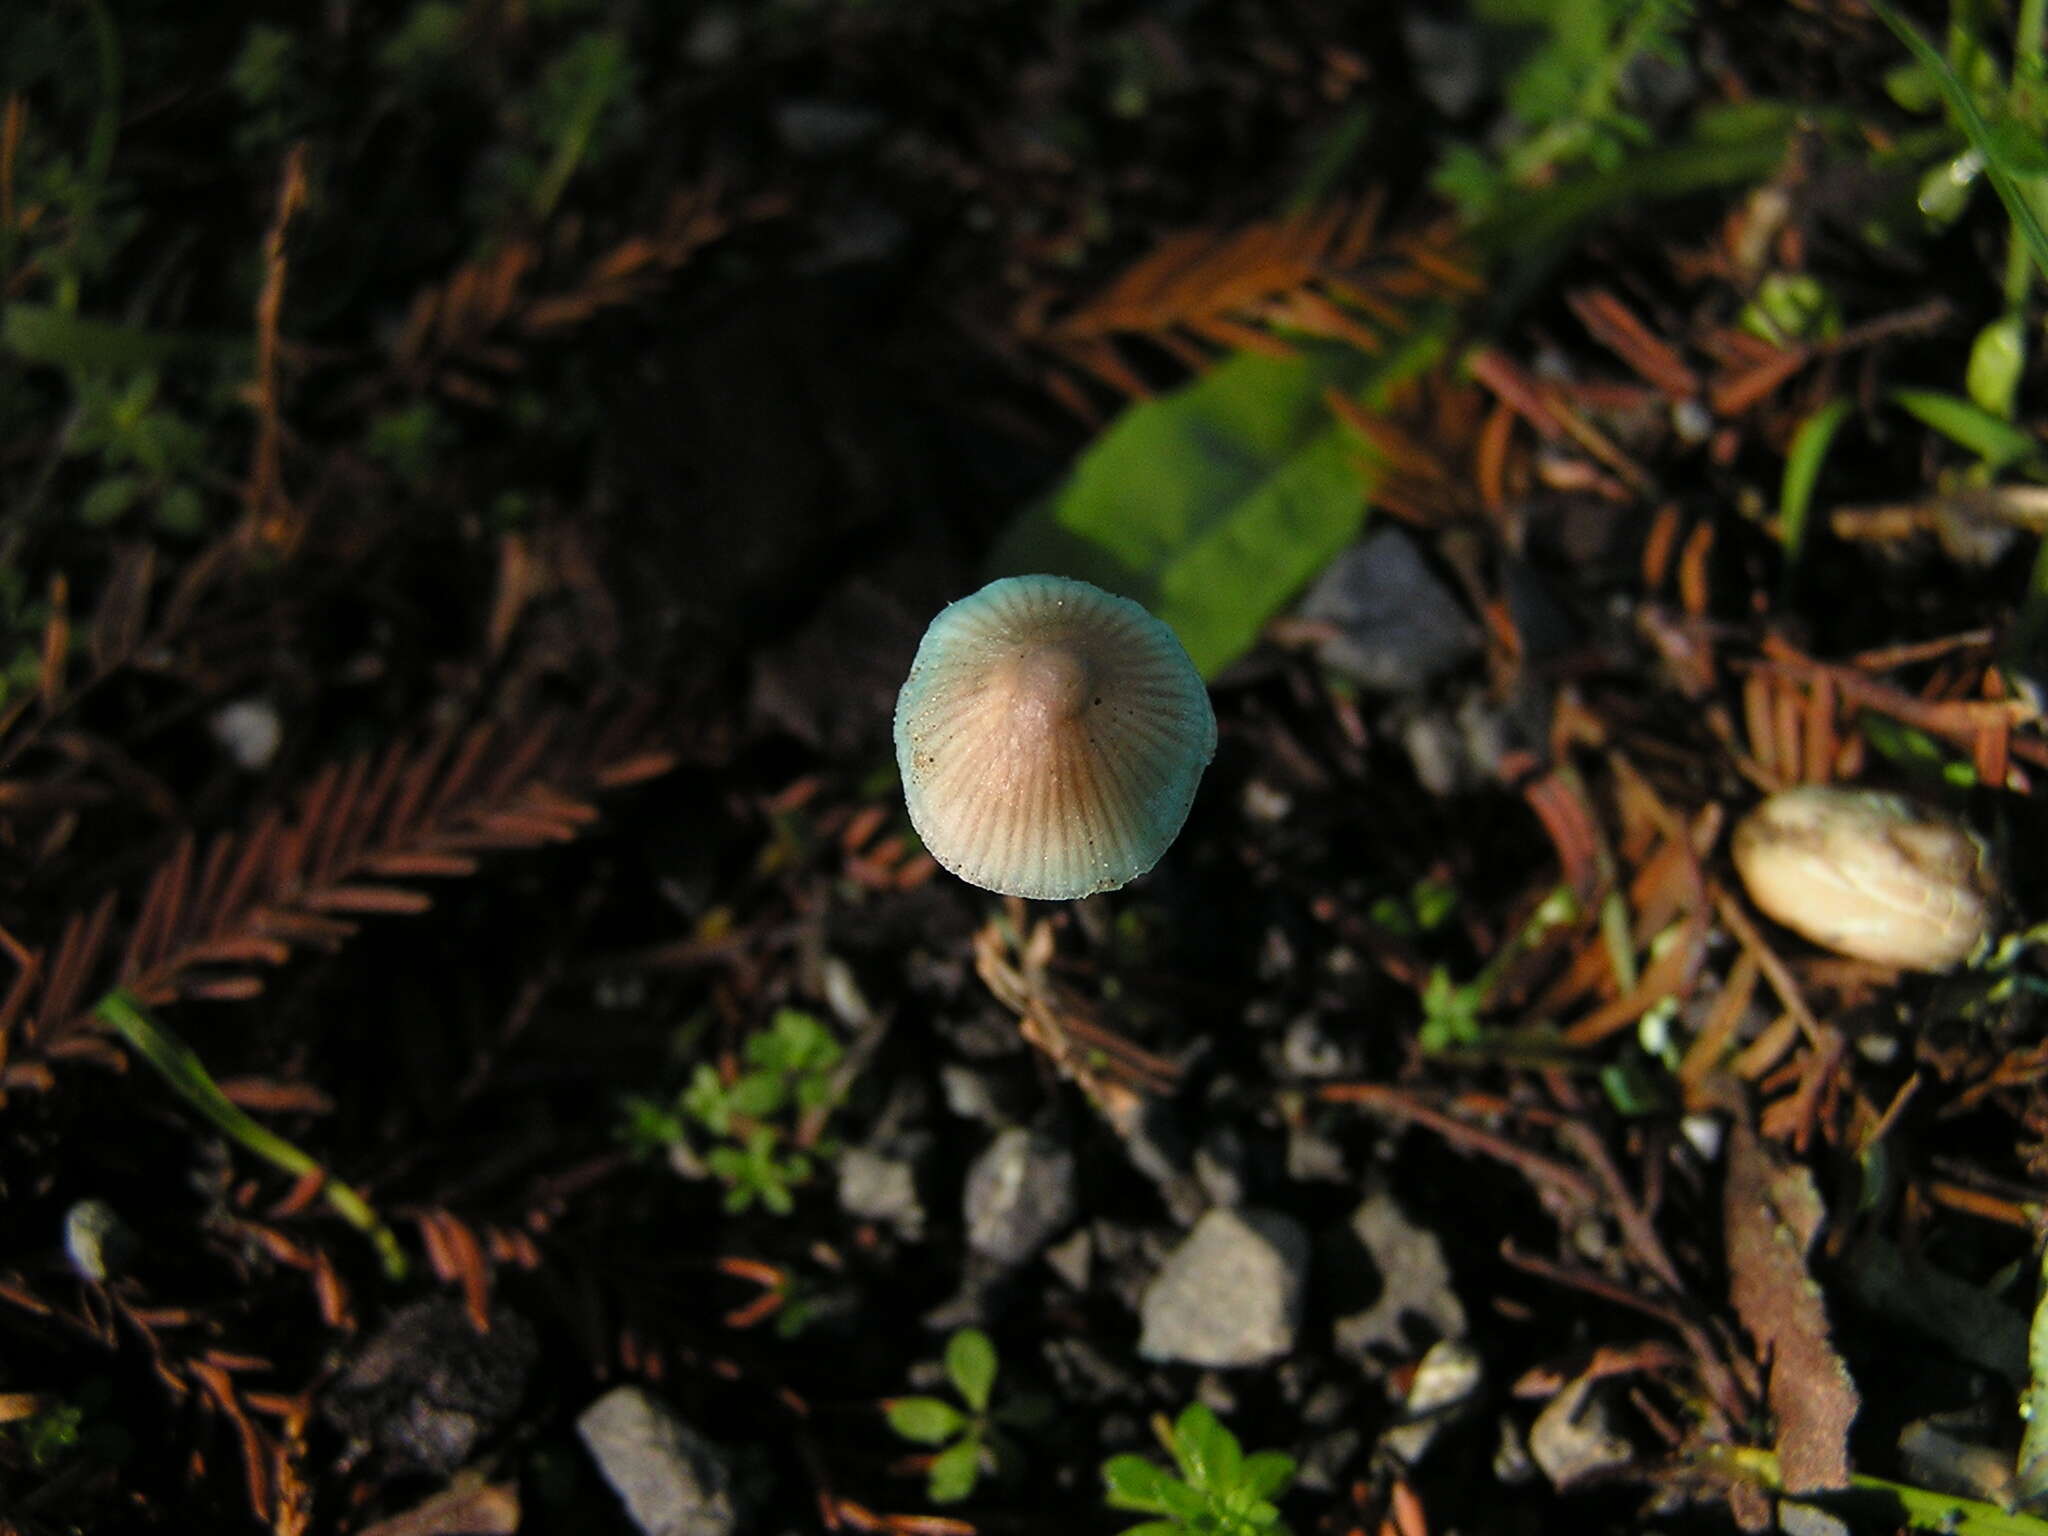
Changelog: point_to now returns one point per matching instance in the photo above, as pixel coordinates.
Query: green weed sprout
(1220, 1491)
(767, 1119)
(973, 1443)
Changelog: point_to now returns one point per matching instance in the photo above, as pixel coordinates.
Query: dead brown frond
(215, 914)
(463, 336)
(1325, 274)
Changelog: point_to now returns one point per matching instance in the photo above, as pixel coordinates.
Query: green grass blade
(1998, 443)
(1803, 464)
(1983, 139)
(180, 1067)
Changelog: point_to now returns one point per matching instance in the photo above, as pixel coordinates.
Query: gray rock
(1020, 1193)
(672, 1480)
(1158, 1148)
(427, 1388)
(97, 1241)
(1574, 1436)
(1511, 1464)
(1220, 1166)
(1313, 1155)
(1073, 1258)
(1417, 1300)
(1795, 1519)
(1230, 1294)
(880, 1189)
(1444, 1386)
(1392, 625)
(1453, 747)
(1447, 52)
(970, 1094)
(1307, 1049)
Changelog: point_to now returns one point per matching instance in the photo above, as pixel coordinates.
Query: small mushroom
(1869, 875)
(1050, 737)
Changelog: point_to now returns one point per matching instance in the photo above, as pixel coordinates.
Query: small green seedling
(1220, 1490)
(768, 1119)
(1452, 1010)
(969, 1434)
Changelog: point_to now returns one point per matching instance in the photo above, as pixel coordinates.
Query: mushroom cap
(1870, 875)
(1050, 737)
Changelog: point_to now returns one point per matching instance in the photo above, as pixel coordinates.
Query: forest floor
(472, 478)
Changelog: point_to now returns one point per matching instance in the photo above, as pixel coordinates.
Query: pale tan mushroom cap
(1869, 875)
(1050, 737)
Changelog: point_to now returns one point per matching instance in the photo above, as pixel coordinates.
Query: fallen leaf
(1772, 1216)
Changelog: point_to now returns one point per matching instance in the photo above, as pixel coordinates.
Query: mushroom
(1050, 737)
(1870, 875)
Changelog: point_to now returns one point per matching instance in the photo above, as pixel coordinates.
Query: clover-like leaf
(926, 1420)
(954, 1472)
(971, 1365)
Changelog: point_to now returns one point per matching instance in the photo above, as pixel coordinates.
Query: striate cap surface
(1050, 737)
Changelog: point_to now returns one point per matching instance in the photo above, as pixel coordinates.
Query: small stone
(1446, 51)
(672, 1480)
(1417, 1298)
(1391, 625)
(1574, 1436)
(1020, 1193)
(250, 730)
(1511, 1463)
(426, 1389)
(1073, 1258)
(970, 1094)
(1443, 1386)
(1796, 1519)
(1307, 1049)
(1220, 1166)
(880, 1189)
(1314, 1156)
(1157, 1145)
(97, 1241)
(1230, 1294)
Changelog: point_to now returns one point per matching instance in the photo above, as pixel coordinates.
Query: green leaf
(41, 333)
(1810, 446)
(926, 1420)
(180, 511)
(954, 1472)
(1912, 88)
(1998, 443)
(757, 1095)
(1132, 1482)
(971, 1363)
(706, 1099)
(1268, 1473)
(1994, 147)
(1945, 188)
(186, 1075)
(1208, 1453)
(108, 499)
(1211, 505)
(1158, 1528)
(1997, 359)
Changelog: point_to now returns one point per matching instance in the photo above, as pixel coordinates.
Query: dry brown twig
(1117, 1075)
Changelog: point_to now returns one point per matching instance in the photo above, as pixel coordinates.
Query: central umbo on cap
(1050, 737)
